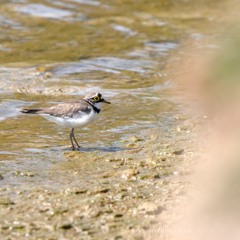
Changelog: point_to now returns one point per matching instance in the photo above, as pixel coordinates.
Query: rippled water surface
(53, 51)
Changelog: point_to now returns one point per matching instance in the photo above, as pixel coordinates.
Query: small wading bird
(72, 114)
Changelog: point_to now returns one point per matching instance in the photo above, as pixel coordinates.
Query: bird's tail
(31, 111)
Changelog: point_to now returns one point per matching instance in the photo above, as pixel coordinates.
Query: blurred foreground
(208, 207)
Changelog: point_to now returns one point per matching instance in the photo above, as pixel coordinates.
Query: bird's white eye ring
(96, 98)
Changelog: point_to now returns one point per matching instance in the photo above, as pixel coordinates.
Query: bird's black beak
(106, 101)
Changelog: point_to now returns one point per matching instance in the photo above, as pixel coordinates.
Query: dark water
(53, 51)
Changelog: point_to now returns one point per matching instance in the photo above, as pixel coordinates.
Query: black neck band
(97, 110)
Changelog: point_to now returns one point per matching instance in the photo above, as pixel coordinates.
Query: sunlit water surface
(54, 51)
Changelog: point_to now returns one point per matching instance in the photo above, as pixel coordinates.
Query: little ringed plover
(72, 114)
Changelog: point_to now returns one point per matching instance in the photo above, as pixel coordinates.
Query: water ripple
(106, 64)
(40, 10)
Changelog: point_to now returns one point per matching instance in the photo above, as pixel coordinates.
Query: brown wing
(70, 109)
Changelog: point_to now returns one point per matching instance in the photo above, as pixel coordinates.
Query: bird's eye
(96, 98)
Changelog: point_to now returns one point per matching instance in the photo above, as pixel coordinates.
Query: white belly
(75, 122)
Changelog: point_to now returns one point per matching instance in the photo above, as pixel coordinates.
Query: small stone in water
(6, 201)
(66, 226)
(178, 152)
(128, 173)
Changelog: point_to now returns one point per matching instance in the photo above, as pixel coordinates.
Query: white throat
(98, 105)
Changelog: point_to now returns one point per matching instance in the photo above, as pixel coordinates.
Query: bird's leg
(71, 136)
(75, 139)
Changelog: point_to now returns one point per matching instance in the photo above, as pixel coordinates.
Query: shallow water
(61, 50)
(54, 51)
(64, 49)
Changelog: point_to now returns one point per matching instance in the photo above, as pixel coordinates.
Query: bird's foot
(76, 148)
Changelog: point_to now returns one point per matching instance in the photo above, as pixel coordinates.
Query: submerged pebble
(178, 152)
(129, 173)
(66, 226)
(4, 200)
(150, 208)
(25, 173)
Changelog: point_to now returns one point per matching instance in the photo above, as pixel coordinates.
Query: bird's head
(96, 99)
